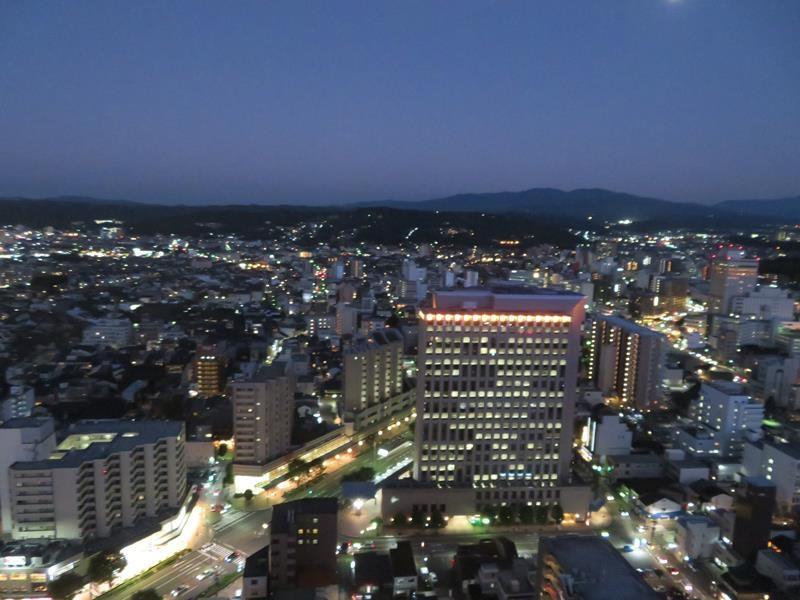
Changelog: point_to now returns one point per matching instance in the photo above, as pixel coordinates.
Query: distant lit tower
(732, 274)
(208, 371)
(496, 391)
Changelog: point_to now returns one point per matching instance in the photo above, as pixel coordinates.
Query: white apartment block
(109, 332)
(103, 476)
(496, 391)
(22, 439)
(779, 462)
(765, 302)
(728, 416)
(263, 411)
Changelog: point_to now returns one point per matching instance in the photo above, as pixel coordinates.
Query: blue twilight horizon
(327, 102)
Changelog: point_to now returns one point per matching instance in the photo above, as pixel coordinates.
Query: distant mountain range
(601, 204)
(568, 207)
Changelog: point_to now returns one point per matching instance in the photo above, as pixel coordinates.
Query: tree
(526, 514)
(506, 515)
(399, 520)
(66, 586)
(222, 450)
(248, 495)
(490, 512)
(437, 519)
(557, 513)
(363, 474)
(104, 565)
(296, 466)
(417, 518)
(148, 594)
(540, 515)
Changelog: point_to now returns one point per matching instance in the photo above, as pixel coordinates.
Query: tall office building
(263, 410)
(732, 275)
(496, 391)
(372, 378)
(104, 475)
(627, 360)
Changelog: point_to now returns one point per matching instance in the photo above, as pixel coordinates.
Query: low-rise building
(303, 541)
(587, 568)
(778, 462)
(783, 572)
(695, 536)
(255, 577)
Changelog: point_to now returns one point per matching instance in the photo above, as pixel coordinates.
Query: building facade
(104, 475)
(303, 543)
(372, 379)
(732, 275)
(263, 410)
(626, 360)
(496, 391)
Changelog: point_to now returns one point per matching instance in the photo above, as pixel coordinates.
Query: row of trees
(102, 568)
(497, 515)
(419, 519)
(525, 514)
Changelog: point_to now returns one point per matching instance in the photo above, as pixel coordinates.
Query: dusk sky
(323, 102)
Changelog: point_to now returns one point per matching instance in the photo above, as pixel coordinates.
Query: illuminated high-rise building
(208, 371)
(626, 360)
(732, 274)
(263, 408)
(496, 391)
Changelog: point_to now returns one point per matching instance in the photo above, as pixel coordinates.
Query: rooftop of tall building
(95, 440)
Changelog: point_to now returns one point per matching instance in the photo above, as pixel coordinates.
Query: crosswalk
(216, 551)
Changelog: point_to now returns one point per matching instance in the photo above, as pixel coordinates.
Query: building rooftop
(596, 569)
(257, 565)
(284, 515)
(95, 440)
(402, 559)
(629, 326)
(25, 423)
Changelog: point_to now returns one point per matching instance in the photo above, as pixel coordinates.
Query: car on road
(181, 589)
(232, 556)
(627, 548)
(204, 574)
(673, 571)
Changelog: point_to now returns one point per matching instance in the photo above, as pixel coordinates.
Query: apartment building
(21, 439)
(496, 391)
(104, 475)
(263, 410)
(303, 543)
(115, 333)
(722, 420)
(626, 360)
(372, 379)
(778, 462)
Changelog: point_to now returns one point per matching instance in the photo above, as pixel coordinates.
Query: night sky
(333, 101)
